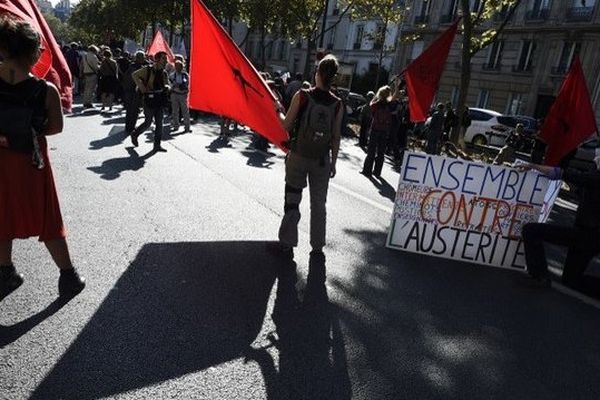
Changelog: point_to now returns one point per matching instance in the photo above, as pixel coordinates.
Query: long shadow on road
(179, 308)
(113, 168)
(439, 329)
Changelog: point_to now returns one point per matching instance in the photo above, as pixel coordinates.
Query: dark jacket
(588, 212)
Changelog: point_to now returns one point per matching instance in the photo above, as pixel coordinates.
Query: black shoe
(535, 282)
(159, 149)
(70, 284)
(10, 280)
(278, 250)
(134, 139)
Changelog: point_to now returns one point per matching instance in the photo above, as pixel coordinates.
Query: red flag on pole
(423, 74)
(224, 82)
(51, 65)
(160, 44)
(571, 119)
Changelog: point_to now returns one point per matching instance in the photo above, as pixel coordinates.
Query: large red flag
(160, 44)
(224, 82)
(571, 119)
(52, 65)
(423, 74)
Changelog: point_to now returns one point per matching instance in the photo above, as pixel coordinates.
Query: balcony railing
(580, 14)
(521, 69)
(490, 67)
(537, 15)
(421, 19)
(559, 70)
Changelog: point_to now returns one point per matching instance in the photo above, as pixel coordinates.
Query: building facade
(353, 42)
(521, 73)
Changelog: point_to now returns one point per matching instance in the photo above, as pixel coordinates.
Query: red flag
(571, 119)
(224, 82)
(160, 44)
(424, 73)
(52, 65)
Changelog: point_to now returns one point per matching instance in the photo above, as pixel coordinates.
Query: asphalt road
(184, 302)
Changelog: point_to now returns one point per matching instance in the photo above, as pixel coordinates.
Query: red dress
(28, 200)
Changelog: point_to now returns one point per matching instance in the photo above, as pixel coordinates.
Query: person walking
(29, 205)
(108, 80)
(365, 121)
(314, 120)
(180, 81)
(378, 136)
(152, 82)
(436, 130)
(131, 95)
(90, 66)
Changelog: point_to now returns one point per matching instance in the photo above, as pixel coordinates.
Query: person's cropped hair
(19, 41)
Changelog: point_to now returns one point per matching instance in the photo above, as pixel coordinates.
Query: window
(282, 48)
(479, 115)
(495, 55)
(425, 9)
(566, 56)
(331, 42)
(581, 10)
(454, 96)
(417, 49)
(526, 55)
(450, 11)
(483, 98)
(476, 5)
(360, 31)
(379, 36)
(515, 104)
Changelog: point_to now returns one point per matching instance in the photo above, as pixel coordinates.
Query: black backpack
(22, 117)
(314, 133)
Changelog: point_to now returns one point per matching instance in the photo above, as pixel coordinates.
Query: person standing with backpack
(314, 121)
(380, 128)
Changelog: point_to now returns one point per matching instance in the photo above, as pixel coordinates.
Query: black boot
(10, 280)
(70, 283)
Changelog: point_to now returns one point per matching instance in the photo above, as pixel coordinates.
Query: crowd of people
(139, 81)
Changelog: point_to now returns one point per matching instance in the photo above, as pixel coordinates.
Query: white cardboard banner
(467, 211)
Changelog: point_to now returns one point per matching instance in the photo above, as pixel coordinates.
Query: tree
(391, 13)
(261, 16)
(481, 28)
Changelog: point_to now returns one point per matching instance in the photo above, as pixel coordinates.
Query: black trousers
(133, 102)
(150, 114)
(375, 153)
(582, 243)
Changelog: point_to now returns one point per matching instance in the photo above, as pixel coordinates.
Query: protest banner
(466, 210)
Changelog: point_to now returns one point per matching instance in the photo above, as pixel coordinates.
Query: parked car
(485, 128)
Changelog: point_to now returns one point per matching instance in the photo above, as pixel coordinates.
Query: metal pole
(323, 27)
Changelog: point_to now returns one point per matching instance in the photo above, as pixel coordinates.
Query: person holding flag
(569, 122)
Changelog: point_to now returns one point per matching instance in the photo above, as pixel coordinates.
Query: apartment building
(521, 73)
(353, 42)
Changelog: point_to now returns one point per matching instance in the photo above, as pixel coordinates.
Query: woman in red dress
(28, 201)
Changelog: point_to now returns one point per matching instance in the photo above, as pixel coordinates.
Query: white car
(485, 128)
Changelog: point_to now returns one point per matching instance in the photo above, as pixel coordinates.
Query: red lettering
(424, 202)
(451, 206)
(514, 220)
(498, 216)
